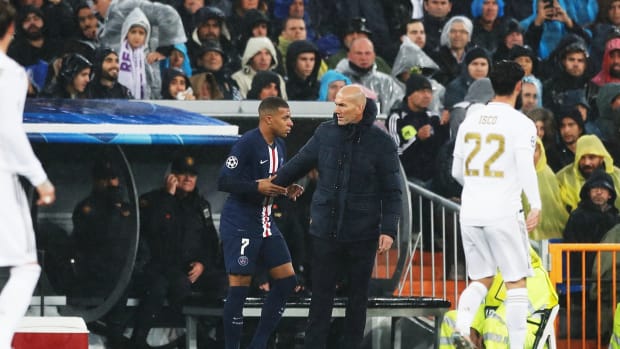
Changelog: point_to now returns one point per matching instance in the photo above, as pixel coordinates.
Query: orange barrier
(559, 273)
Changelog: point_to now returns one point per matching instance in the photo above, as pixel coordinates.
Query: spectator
(487, 18)
(529, 96)
(548, 24)
(592, 219)
(606, 27)
(136, 72)
(283, 9)
(211, 79)
(414, 30)
(583, 12)
(356, 28)
(255, 24)
(187, 9)
(546, 128)
(31, 48)
(477, 65)
(177, 227)
(455, 39)
(571, 75)
(211, 25)
(259, 55)
(416, 132)
(563, 152)
(590, 156)
(411, 58)
(176, 85)
(610, 68)
(331, 82)
(361, 68)
(265, 84)
(104, 84)
(511, 35)
(577, 99)
(525, 56)
(85, 42)
(239, 9)
(436, 15)
(177, 59)
(302, 64)
(72, 80)
(553, 215)
(165, 21)
(293, 29)
(479, 92)
(608, 103)
(57, 15)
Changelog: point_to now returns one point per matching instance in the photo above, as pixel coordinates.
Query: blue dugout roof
(121, 122)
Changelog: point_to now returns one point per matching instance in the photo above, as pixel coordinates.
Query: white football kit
(17, 242)
(494, 160)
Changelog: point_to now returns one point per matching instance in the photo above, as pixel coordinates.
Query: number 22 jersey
(488, 144)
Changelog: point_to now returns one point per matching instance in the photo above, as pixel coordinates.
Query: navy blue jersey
(247, 213)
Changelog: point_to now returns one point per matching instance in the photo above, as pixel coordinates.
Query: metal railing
(589, 290)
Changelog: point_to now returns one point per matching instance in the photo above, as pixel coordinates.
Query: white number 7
(244, 243)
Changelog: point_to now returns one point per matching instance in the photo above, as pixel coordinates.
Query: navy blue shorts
(242, 255)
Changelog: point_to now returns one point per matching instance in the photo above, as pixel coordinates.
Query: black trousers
(331, 261)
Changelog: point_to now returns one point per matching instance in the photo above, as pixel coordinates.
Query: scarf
(132, 73)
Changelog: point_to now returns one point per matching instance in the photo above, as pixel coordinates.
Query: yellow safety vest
(614, 343)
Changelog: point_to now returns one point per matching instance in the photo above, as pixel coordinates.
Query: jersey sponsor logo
(263, 161)
(243, 261)
(232, 162)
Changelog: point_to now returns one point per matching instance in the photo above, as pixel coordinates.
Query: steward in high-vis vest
(489, 325)
(614, 343)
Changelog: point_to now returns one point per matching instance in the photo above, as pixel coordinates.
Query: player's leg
(481, 269)
(240, 255)
(15, 298)
(283, 282)
(511, 251)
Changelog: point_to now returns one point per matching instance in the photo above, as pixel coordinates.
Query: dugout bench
(390, 307)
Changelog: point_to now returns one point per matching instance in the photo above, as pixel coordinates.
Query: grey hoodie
(479, 92)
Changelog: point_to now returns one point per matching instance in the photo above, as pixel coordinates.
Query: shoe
(462, 342)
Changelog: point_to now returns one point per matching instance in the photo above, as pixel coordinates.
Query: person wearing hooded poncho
(135, 72)
(259, 55)
(553, 215)
(331, 82)
(590, 154)
(411, 58)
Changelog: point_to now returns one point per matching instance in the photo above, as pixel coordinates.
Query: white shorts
(503, 244)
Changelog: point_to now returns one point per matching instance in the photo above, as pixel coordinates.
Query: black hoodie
(298, 88)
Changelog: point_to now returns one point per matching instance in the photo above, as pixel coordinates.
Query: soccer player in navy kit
(247, 229)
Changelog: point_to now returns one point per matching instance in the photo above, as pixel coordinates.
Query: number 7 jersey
(494, 160)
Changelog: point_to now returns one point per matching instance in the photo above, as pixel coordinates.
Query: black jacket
(178, 231)
(358, 195)
(95, 90)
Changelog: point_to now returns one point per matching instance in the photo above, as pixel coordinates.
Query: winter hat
(599, 179)
(476, 52)
(417, 82)
(575, 115)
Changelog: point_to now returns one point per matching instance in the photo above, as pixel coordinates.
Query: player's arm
(388, 173)
(304, 161)
(17, 155)
(235, 175)
(457, 160)
(524, 156)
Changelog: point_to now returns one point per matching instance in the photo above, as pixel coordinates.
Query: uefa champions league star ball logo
(243, 261)
(232, 162)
